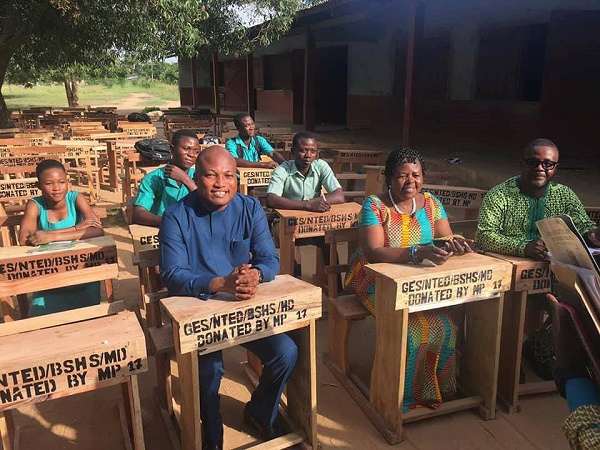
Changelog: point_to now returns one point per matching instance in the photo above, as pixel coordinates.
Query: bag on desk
(154, 149)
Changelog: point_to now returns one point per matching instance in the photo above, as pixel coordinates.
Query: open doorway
(331, 90)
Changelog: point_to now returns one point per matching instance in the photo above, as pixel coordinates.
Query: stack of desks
(285, 305)
(473, 284)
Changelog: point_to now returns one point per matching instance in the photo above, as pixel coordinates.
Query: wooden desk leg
(287, 243)
(108, 286)
(9, 309)
(302, 385)
(190, 426)
(244, 189)
(389, 365)
(511, 346)
(135, 409)
(7, 430)
(481, 352)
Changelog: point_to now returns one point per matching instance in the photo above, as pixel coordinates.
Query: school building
(470, 72)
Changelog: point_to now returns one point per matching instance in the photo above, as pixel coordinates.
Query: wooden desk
(292, 305)
(297, 224)
(528, 277)
(17, 190)
(405, 288)
(344, 156)
(146, 258)
(594, 213)
(60, 359)
(22, 271)
(252, 177)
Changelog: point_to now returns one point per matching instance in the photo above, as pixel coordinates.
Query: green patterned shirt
(507, 216)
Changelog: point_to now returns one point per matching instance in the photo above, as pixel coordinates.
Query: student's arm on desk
(489, 230)
(89, 227)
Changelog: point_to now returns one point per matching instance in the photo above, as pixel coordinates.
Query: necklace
(413, 209)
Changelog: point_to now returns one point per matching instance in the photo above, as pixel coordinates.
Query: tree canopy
(37, 35)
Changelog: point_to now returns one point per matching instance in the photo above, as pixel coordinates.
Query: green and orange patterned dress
(431, 361)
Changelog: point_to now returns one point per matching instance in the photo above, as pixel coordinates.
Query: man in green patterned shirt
(510, 210)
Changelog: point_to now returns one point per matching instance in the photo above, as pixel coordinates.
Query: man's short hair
(299, 136)
(48, 164)
(181, 134)
(237, 119)
(541, 142)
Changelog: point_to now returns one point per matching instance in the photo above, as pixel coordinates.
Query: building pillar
(216, 100)
(310, 56)
(465, 45)
(194, 93)
(415, 33)
(250, 84)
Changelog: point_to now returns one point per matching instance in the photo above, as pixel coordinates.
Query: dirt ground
(91, 420)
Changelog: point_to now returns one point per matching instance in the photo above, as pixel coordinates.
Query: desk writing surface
(306, 223)
(461, 279)
(281, 305)
(528, 274)
(43, 362)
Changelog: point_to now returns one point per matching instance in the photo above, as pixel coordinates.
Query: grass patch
(89, 94)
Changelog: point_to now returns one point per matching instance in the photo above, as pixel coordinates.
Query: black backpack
(154, 149)
(209, 139)
(138, 117)
(257, 148)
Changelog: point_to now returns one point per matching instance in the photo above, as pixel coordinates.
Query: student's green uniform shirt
(288, 182)
(157, 192)
(258, 146)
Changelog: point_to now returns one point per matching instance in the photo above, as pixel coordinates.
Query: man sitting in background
(298, 184)
(247, 147)
(510, 210)
(165, 186)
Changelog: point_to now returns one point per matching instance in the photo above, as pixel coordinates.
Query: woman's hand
(86, 223)
(38, 237)
(434, 254)
(459, 246)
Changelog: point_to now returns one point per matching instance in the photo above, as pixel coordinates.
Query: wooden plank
(462, 279)
(594, 213)
(481, 352)
(301, 389)
(144, 238)
(18, 189)
(24, 262)
(57, 280)
(189, 418)
(389, 366)
(286, 441)
(528, 275)
(457, 196)
(52, 361)
(136, 412)
(52, 320)
(307, 224)
(283, 304)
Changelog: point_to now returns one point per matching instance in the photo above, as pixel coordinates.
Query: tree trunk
(5, 121)
(72, 89)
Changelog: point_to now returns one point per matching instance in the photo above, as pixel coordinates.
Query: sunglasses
(534, 162)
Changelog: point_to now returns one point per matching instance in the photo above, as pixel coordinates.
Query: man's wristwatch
(260, 275)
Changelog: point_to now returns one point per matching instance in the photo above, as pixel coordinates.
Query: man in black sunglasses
(510, 210)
